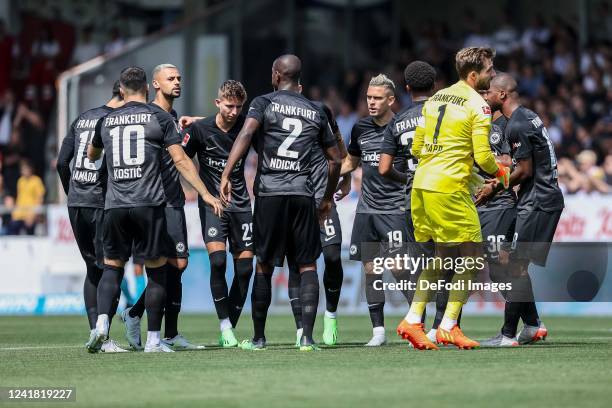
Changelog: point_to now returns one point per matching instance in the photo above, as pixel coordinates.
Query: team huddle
(438, 176)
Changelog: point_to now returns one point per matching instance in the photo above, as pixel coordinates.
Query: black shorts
(533, 235)
(286, 226)
(384, 229)
(235, 227)
(87, 226)
(497, 226)
(177, 231)
(141, 228)
(331, 232)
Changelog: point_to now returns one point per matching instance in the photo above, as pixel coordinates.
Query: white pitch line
(38, 347)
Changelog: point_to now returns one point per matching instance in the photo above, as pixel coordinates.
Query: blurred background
(60, 57)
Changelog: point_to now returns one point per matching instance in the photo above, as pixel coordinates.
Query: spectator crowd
(567, 83)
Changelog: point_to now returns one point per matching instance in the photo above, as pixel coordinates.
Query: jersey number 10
(123, 156)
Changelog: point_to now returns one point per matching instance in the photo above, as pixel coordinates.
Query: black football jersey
(320, 167)
(499, 146)
(175, 197)
(83, 181)
(528, 138)
(290, 127)
(213, 146)
(134, 137)
(397, 141)
(378, 194)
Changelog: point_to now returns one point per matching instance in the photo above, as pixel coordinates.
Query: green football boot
(330, 331)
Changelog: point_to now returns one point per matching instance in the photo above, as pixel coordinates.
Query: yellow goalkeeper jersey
(455, 133)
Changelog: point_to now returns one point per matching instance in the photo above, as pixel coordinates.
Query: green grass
(573, 368)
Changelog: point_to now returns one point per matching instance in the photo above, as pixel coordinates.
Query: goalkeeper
(455, 134)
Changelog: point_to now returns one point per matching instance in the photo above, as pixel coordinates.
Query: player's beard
(483, 83)
(170, 96)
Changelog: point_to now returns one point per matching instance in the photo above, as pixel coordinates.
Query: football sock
(218, 284)
(404, 276)
(153, 338)
(512, 315)
(424, 295)
(441, 301)
(225, 324)
(140, 284)
(529, 314)
(90, 293)
(109, 288)
(309, 295)
(294, 294)
(375, 299)
(377, 314)
(529, 311)
(138, 308)
(155, 297)
(113, 310)
(174, 296)
(125, 289)
(451, 315)
(332, 276)
(243, 269)
(261, 297)
(416, 312)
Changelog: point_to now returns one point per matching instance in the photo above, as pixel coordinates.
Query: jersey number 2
(295, 126)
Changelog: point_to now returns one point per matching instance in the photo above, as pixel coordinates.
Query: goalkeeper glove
(476, 181)
(503, 175)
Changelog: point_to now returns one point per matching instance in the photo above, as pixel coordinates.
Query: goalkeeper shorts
(444, 217)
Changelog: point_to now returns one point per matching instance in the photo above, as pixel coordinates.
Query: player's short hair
(232, 89)
(384, 81)
(472, 59)
(160, 67)
(133, 79)
(116, 93)
(420, 76)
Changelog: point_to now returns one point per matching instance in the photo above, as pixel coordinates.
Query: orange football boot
(456, 337)
(415, 334)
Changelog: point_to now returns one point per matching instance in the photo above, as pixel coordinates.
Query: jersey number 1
(442, 110)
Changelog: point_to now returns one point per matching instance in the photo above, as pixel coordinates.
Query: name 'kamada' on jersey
(84, 176)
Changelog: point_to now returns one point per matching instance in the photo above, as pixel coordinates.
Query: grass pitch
(573, 368)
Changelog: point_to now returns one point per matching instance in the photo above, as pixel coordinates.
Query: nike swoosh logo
(211, 148)
(217, 300)
(249, 244)
(328, 238)
(364, 142)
